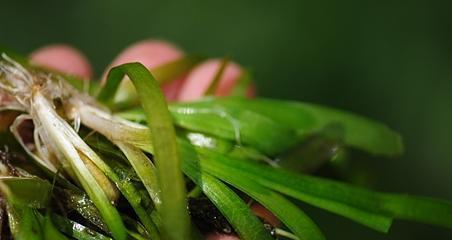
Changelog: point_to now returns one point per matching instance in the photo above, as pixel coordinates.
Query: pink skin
(152, 53)
(200, 78)
(63, 58)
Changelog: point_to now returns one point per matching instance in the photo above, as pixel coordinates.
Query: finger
(263, 213)
(152, 54)
(172, 88)
(200, 78)
(218, 236)
(62, 58)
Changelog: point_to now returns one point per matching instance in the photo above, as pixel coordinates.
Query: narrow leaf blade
(173, 209)
(234, 209)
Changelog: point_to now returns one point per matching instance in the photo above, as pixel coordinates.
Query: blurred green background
(389, 60)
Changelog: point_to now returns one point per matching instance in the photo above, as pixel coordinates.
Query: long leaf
(281, 123)
(173, 209)
(286, 211)
(23, 223)
(306, 118)
(236, 124)
(316, 194)
(144, 169)
(129, 192)
(234, 209)
(49, 229)
(76, 230)
(125, 93)
(370, 208)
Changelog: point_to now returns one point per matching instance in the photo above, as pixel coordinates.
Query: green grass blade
(243, 84)
(136, 201)
(174, 69)
(373, 209)
(359, 132)
(76, 230)
(133, 197)
(217, 77)
(24, 224)
(245, 223)
(122, 175)
(126, 95)
(81, 203)
(22, 190)
(22, 203)
(287, 212)
(295, 219)
(96, 194)
(49, 229)
(316, 193)
(235, 124)
(173, 209)
(419, 209)
(281, 123)
(144, 169)
(127, 189)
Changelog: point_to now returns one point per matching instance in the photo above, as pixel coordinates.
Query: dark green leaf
(306, 118)
(317, 192)
(49, 230)
(281, 123)
(173, 209)
(22, 191)
(24, 223)
(234, 209)
(370, 208)
(128, 190)
(76, 230)
(286, 211)
(126, 95)
(235, 124)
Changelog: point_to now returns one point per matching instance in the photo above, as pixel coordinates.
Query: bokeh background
(389, 60)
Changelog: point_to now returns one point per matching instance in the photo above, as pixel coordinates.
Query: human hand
(152, 54)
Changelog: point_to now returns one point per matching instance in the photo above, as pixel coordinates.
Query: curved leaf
(173, 209)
